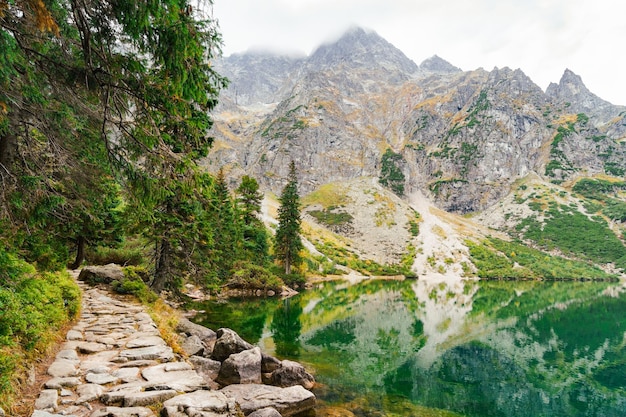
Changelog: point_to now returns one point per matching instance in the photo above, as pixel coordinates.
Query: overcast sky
(542, 37)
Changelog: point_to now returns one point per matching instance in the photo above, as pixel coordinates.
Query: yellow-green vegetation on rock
(34, 307)
(328, 195)
(345, 257)
(366, 216)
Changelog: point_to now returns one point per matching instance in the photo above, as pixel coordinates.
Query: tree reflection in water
(286, 329)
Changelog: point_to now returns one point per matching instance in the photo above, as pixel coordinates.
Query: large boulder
(193, 329)
(287, 401)
(200, 403)
(192, 345)
(291, 373)
(269, 363)
(101, 274)
(228, 342)
(206, 368)
(241, 368)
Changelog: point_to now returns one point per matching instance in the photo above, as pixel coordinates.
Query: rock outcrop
(104, 274)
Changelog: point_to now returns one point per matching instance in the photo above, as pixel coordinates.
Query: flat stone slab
(68, 354)
(265, 412)
(177, 375)
(117, 394)
(48, 400)
(88, 392)
(59, 383)
(163, 353)
(200, 403)
(91, 347)
(145, 342)
(148, 397)
(74, 335)
(127, 374)
(123, 412)
(287, 401)
(100, 379)
(42, 413)
(62, 368)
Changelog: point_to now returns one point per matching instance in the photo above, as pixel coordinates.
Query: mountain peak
(360, 47)
(572, 90)
(438, 65)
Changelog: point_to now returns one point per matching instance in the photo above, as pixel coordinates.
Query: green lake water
(412, 348)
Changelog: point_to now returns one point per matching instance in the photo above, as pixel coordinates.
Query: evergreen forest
(104, 114)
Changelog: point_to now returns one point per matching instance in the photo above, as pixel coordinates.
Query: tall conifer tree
(255, 235)
(287, 242)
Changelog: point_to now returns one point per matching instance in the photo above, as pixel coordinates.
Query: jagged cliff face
(464, 137)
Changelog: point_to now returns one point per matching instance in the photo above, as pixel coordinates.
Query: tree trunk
(163, 267)
(288, 264)
(8, 150)
(80, 252)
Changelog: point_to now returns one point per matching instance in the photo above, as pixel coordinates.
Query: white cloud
(542, 37)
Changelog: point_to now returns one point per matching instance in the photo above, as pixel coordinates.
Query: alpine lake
(463, 348)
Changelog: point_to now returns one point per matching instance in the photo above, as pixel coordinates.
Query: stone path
(115, 363)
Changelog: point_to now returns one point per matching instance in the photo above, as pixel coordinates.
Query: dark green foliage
(603, 193)
(496, 259)
(435, 186)
(287, 242)
(226, 228)
(32, 307)
(414, 228)
(391, 174)
(597, 189)
(126, 254)
(562, 229)
(614, 168)
(558, 160)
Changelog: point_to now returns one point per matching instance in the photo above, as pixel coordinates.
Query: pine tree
(287, 242)
(255, 236)
(226, 228)
(249, 199)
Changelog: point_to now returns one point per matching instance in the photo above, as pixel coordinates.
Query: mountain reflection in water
(468, 348)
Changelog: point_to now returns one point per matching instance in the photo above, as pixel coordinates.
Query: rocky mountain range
(463, 136)
(464, 140)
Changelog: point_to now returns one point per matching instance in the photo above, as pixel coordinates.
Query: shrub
(134, 283)
(247, 275)
(33, 307)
